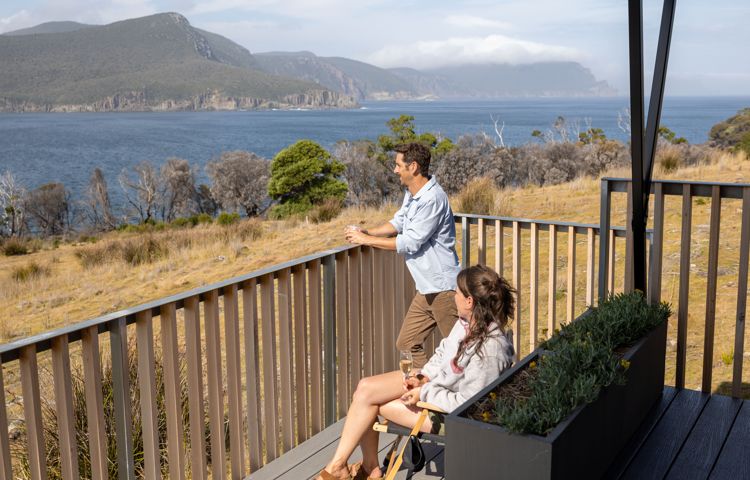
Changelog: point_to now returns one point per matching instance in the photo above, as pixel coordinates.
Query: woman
(474, 353)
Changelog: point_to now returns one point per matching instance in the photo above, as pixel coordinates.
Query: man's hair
(415, 152)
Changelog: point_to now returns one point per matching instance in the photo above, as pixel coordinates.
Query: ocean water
(41, 148)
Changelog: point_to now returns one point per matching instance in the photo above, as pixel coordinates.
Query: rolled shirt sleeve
(419, 230)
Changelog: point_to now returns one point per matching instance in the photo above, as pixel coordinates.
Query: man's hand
(357, 236)
(411, 397)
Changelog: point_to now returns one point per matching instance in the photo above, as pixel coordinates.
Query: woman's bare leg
(395, 411)
(371, 393)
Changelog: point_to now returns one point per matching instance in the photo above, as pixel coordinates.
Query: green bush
(326, 211)
(304, 175)
(225, 218)
(583, 358)
(15, 246)
(30, 271)
(201, 218)
(181, 222)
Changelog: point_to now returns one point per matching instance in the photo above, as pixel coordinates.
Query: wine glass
(405, 362)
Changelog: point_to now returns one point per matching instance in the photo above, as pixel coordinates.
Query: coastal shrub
(584, 357)
(181, 222)
(303, 175)
(239, 180)
(30, 271)
(200, 219)
(225, 218)
(15, 246)
(326, 211)
(98, 254)
(477, 197)
(143, 250)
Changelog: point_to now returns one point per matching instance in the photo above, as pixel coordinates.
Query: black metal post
(638, 225)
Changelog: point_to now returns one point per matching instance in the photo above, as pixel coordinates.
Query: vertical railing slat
(195, 389)
(533, 280)
(611, 262)
(252, 374)
(355, 303)
(481, 242)
(517, 285)
(499, 266)
(552, 280)
(571, 290)
(654, 283)
(389, 333)
(32, 409)
(713, 264)
(590, 247)
(465, 242)
(329, 337)
(92, 373)
(316, 347)
(628, 270)
(64, 406)
(342, 349)
(301, 372)
(6, 468)
(285, 358)
(739, 329)
(682, 309)
(172, 394)
(215, 385)
(377, 319)
(234, 386)
(367, 311)
(118, 342)
(144, 331)
(270, 389)
(605, 198)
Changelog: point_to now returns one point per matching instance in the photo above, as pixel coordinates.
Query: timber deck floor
(686, 435)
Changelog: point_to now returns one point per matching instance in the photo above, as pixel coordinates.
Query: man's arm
(381, 241)
(385, 230)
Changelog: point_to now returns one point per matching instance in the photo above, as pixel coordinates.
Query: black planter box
(582, 446)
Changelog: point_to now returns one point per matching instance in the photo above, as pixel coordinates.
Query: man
(423, 231)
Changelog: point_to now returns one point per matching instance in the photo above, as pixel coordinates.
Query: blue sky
(709, 52)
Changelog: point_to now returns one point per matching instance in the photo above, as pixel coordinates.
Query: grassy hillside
(56, 286)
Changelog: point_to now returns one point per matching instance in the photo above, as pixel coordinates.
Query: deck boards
(687, 435)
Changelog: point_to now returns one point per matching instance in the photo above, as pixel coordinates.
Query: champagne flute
(405, 362)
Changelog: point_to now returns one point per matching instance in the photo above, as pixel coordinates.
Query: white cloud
(16, 21)
(463, 50)
(471, 21)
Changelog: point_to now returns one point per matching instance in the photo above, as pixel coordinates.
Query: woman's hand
(411, 397)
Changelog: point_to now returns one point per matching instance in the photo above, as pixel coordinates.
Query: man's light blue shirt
(427, 238)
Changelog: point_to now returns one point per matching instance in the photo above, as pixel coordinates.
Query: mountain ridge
(159, 62)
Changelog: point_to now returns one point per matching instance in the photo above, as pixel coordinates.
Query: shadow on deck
(306, 460)
(687, 435)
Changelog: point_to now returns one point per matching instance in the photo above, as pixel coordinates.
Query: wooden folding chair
(394, 461)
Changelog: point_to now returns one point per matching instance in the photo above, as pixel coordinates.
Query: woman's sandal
(329, 476)
(358, 473)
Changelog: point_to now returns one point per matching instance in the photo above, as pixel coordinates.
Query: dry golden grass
(194, 257)
(209, 253)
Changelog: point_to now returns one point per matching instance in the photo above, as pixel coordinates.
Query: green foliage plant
(581, 359)
(303, 175)
(225, 218)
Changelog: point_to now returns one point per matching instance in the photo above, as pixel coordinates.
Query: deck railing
(706, 255)
(297, 337)
(268, 359)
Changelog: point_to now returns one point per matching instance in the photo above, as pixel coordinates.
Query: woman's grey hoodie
(451, 385)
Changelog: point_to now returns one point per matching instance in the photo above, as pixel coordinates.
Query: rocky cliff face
(210, 101)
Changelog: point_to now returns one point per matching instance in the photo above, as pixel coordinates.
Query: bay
(42, 148)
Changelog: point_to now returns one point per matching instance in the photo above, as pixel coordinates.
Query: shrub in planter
(568, 408)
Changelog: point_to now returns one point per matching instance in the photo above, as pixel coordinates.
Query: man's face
(405, 172)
